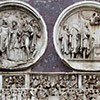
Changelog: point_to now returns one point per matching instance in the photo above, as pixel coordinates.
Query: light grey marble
(23, 35)
(76, 36)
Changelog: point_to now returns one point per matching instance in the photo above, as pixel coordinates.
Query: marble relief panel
(58, 86)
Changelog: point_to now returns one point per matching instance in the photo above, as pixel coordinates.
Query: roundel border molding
(23, 34)
(76, 36)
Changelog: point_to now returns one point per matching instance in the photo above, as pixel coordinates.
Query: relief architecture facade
(23, 40)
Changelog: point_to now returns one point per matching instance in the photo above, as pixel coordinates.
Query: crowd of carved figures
(30, 94)
(14, 81)
(18, 35)
(51, 87)
(77, 39)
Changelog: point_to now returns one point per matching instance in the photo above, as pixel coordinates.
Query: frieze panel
(30, 94)
(54, 86)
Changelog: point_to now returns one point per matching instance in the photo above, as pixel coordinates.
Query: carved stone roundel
(23, 35)
(77, 36)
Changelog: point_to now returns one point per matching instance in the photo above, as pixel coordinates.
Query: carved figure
(66, 38)
(26, 31)
(7, 94)
(4, 31)
(33, 94)
(73, 82)
(85, 82)
(14, 42)
(42, 93)
(34, 35)
(14, 95)
(95, 18)
(76, 39)
(35, 82)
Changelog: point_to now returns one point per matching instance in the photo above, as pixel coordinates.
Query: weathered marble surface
(50, 86)
(23, 35)
(50, 10)
(76, 36)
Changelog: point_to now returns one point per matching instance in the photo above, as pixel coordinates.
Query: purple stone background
(50, 10)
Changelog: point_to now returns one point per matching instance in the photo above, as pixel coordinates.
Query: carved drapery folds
(23, 35)
(67, 86)
(76, 36)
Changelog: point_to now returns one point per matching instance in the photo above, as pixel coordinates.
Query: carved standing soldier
(14, 41)
(65, 40)
(13, 34)
(8, 94)
(4, 31)
(25, 42)
(76, 39)
(20, 81)
(86, 39)
(25, 95)
(35, 82)
(34, 35)
(85, 82)
(73, 82)
(85, 35)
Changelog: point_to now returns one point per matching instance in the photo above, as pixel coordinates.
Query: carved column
(27, 81)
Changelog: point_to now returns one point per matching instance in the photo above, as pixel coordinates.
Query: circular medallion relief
(77, 36)
(23, 35)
